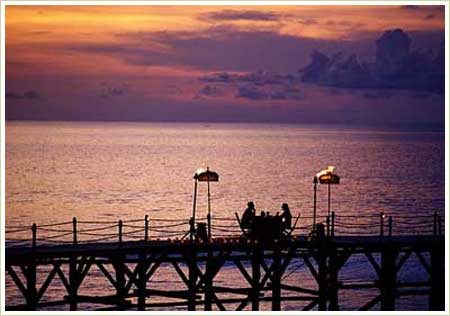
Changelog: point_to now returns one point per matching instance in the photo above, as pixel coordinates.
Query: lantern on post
(204, 175)
(324, 177)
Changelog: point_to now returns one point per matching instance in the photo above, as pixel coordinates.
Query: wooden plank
(106, 274)
(17, 280)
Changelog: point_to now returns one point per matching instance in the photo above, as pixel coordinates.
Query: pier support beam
(142, 281)
(73, 283)
(322, 278)
(192, 265)
(208, 281)
(333, 279)
(437, 278)
(119, 262)
(31, 292)
(276, 280)
(256, 276)
(388, 279)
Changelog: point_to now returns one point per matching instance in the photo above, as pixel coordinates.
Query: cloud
(395, 67)
(260, 77)
(411, 7)
(258, 93)
(307, 21)
(30, 95)
(113, 91)
(435, 8)
(211, 91)
(218, 48)
(260, 85)
(232, 15)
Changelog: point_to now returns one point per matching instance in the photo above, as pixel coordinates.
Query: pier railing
(149, 228)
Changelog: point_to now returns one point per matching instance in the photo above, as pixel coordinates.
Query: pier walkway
(128, 265)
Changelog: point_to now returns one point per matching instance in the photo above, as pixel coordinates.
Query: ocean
(99, 171)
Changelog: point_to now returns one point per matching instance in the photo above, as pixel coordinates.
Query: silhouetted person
(286, 216)
(263, 214)
(249, 214)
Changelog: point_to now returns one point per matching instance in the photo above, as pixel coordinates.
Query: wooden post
(256, 276)
(388, 279)
(381, 224)
(390, 226)
(33, 236)
(333, 279)
(31, 291)
(209, 281)
(328, 225)
(439, 225)
(435, 223)
(276, 279)
(73, 283)
(208, 217)
(315, 206)
(333, 217)
(192, 265)
(322, 261)
(120, 232)
(146, 228)
(74, 230)
(31, 297)
(194, 205)
(437, 278)
(119, 262)
(142, 282)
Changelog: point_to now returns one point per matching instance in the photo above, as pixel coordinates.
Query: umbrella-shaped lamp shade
(206, 175)
(328, 177)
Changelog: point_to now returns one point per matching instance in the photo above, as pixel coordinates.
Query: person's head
(251, 204)
(285, 207)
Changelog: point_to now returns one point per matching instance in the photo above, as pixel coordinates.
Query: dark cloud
(211, 91)
(257, 93)
(231, 15)
(307, 21)
(260, 85)
(395, 67)
(219, 48)
(260, 77)
(435, 8)
(412, 7)
(30, 95)
(430, 16)
(113, 91)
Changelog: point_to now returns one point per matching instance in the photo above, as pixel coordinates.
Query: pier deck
(129, 267)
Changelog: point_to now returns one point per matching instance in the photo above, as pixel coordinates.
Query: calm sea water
(107, 171)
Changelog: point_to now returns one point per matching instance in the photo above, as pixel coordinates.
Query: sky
(351, 65)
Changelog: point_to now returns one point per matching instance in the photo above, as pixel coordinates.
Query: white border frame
(5, 3)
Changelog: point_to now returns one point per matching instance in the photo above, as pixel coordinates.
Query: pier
(129, 253)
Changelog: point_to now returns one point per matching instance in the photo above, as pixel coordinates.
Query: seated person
(248, 215)
(286, 217)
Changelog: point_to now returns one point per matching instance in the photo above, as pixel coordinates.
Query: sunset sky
(227, 63)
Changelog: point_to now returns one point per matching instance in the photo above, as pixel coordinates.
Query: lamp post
(325, 177)
(202, 175)
(315, 205)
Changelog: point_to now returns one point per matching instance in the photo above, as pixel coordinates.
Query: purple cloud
(211, 91)
(395, 67)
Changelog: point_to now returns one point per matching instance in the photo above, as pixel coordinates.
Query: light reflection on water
(107, 171)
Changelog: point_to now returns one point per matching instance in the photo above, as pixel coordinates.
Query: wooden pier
(130, 265)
